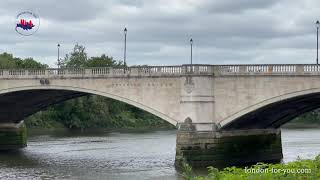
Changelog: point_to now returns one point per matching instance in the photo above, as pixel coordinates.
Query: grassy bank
(297, 170)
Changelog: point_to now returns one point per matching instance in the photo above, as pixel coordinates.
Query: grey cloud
(234, 6)
(70, 10)
(136, 3)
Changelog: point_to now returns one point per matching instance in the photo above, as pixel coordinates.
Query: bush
(300, 170)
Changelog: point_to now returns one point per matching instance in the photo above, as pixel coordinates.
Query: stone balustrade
(106, 72)
(268, 69)
(198, 69)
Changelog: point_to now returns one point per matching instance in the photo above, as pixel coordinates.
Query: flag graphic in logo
(27, 23)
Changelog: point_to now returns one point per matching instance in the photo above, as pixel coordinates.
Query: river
(115, 155)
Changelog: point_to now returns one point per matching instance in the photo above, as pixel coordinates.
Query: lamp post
(317, 24)
(58, 55)
(191, 43)
(125, 49)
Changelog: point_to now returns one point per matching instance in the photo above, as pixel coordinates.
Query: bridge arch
(273, 112)
(77, 92)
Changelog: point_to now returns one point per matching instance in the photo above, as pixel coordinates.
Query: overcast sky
(224, 31)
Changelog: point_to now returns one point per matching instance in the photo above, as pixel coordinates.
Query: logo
(27, 23)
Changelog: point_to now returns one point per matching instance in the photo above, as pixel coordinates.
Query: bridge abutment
(13, 136)
(226, 148)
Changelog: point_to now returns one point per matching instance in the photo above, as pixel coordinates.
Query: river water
(115, 155)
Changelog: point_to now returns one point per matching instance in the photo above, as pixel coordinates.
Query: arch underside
(17, 104)
(276, 114)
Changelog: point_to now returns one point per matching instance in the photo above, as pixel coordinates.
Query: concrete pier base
(222, 149)
(13, 136)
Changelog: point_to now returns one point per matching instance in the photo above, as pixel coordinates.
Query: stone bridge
(225, 114)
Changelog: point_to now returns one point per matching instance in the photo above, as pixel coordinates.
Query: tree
(30, 63)
(77, 58)
(7, 61)
(103, 61)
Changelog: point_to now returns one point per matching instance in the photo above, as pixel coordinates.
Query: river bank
(300, 169)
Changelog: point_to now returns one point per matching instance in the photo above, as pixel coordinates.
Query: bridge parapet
(106, 72)
(198, 69)
(268, 69)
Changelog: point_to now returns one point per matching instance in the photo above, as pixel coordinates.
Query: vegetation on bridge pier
(13, 137)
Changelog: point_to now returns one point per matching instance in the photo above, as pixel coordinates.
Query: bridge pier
(13, 136)
(226, 148)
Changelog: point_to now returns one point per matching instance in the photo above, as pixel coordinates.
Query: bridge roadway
(225, 114)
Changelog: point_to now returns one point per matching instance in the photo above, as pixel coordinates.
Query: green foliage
(30, 63)
(262, 171)
(7, 61)
(102, 61)
(78, 57)
(187, 172)
(94, 112)
(310, 117)
(213, 173)
(44, 119)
